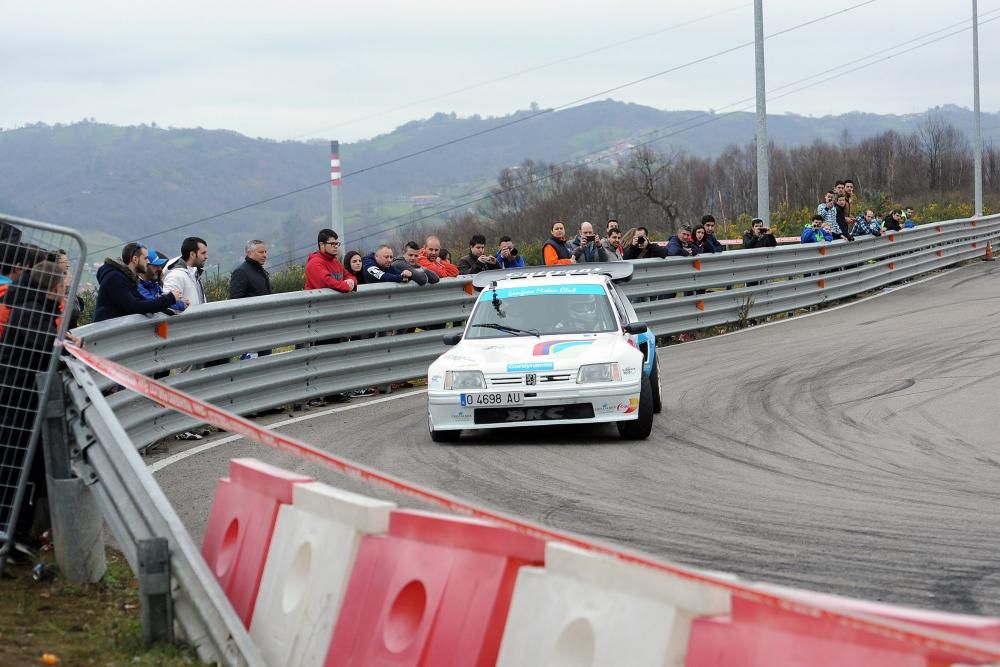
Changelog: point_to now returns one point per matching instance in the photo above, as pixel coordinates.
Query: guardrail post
(77, 526)
(154, 590)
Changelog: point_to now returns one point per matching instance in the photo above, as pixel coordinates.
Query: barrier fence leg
(77, 526)
(154, 590)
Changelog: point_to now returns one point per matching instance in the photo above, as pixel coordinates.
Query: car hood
(530, 353)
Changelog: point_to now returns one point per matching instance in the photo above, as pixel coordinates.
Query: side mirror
(636, 328)
(453, 337)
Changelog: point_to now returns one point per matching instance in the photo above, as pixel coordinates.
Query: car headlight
(464, 380)
(611, 372)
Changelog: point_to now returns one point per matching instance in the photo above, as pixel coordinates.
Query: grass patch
(90, 624)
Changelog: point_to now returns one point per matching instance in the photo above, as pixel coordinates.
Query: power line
(909, 42)
(510, 123)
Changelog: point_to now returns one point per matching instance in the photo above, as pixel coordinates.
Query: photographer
(638, 245)
(476, 260)
(758, 236)
(590, 249)
(507, 256)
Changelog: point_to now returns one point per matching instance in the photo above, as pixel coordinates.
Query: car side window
(624, 314)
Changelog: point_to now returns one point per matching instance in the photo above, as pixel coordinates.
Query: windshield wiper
(511, 330)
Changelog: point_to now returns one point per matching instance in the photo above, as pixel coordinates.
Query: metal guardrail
(136, 510)
(673, 295)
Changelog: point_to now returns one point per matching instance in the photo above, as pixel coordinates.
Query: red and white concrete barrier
(309, 564)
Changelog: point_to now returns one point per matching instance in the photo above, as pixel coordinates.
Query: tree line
(930, 168)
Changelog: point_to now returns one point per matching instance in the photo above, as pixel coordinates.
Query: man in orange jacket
(430, 259)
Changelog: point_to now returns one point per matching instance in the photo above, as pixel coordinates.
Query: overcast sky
(355, 70)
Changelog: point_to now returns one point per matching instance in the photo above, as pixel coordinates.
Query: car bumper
(616, 403)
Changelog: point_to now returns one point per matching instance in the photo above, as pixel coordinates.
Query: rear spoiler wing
(617, 271)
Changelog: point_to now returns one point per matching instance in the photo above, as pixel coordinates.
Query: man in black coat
(118, 293)
(250, 278)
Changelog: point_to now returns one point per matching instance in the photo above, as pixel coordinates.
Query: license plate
(492, 398)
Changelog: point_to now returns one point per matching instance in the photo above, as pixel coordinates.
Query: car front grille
(540, 414)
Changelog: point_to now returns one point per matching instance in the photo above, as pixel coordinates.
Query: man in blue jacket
(680, 244)
(149, 284)
(814, 233)
(377, 268)
(507, 256)
(118, 292)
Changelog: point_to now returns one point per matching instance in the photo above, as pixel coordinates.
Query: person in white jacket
(184, 273)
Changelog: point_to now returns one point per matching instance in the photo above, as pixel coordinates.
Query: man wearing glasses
(323, 268)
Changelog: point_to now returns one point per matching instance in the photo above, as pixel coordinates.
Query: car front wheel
(639, 429)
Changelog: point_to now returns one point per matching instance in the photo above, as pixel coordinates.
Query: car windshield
(541, 310)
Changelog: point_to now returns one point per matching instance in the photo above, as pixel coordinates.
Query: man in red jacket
(323, 268)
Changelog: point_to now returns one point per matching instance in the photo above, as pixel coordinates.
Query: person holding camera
(758, 236)
(507, 256)
(590, 249)
(477, 260)
(637, 244)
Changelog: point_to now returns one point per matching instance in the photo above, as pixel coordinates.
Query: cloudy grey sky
(355, 70)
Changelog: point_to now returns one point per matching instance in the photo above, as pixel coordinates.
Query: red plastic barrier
(240, 526)
(757, 634)
(435, 590)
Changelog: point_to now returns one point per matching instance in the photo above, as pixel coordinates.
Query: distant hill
(134, 181)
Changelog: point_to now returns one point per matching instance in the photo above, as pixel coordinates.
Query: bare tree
(645, 174)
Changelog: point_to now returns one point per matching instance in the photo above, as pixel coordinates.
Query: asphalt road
(853, 451)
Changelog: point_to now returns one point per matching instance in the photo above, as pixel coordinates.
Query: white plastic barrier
(583, 609)
(308, 567)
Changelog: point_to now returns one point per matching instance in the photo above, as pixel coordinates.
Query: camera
(641, 240)
(513, 252)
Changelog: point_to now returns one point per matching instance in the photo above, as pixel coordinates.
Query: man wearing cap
(118, 291)
(758, 236)
(149, 282)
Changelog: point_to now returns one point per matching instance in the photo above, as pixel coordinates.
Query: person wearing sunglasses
(323, 268)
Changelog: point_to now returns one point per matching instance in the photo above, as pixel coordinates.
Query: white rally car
(547, 345)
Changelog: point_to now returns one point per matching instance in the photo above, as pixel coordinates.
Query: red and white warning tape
(931, 640)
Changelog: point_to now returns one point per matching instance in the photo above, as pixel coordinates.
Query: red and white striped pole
(336, 205)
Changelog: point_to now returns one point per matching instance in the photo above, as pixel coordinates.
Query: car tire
(639, 429)
(443, 436)
(654, 383)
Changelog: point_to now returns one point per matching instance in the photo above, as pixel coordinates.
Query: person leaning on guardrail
(408, 262)
(432, 259)
(590, 248)
(377, 268)
(478, 259)
(613, 244)
(843, 221)
(711, 243)
(866, 225)
(118, 290)
(323, 268)
(814, 232)
(680, 244)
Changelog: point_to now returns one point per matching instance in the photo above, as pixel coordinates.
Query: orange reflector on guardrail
(161, 329)
(697, 265)
(822, 284)
(700, 305)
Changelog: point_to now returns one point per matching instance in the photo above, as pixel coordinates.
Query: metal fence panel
(41, 266)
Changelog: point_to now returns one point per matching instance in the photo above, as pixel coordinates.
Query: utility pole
(763, 187)
(977, 151)
(336, 205)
